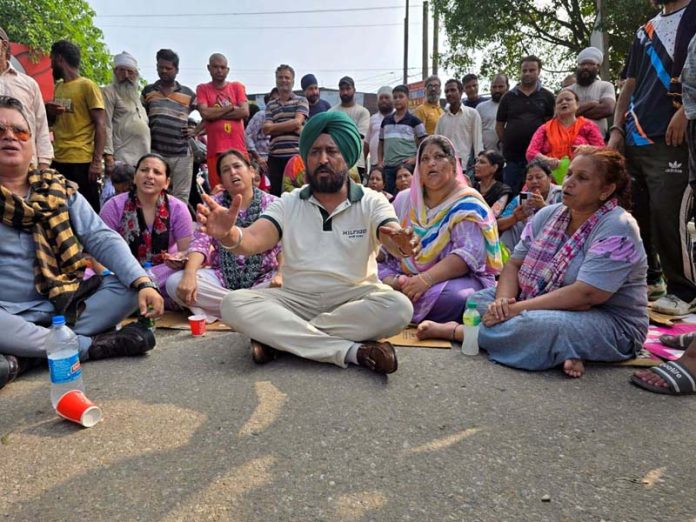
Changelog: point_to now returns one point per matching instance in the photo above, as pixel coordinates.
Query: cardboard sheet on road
(179, 321)
(408, 338)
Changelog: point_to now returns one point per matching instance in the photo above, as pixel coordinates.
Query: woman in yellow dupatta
(459, 237)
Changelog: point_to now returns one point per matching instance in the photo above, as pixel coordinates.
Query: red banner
(36, 65)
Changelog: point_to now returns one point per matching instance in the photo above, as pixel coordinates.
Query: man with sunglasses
(26, 90)
(44, 225)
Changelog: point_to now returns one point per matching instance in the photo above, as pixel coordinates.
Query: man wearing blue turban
(332, 307)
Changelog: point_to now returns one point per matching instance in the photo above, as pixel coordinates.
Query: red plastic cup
(76, 407)
(197, 324)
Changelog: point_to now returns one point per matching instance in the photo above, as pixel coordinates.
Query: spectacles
(20, 133)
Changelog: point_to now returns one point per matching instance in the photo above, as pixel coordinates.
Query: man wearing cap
(223, 105)
(430, 111)
(24, 88)
(385, 106)
(597, 97)
(332, 307)
(127, 129)
(359, 114)
(310, 86)
(79, 122)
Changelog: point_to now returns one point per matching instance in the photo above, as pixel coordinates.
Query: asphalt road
(196, 431)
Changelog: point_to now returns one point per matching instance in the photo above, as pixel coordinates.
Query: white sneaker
(672, 305)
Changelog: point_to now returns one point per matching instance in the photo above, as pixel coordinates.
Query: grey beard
(127, 91)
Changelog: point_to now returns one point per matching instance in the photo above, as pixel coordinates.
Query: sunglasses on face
(20, 133)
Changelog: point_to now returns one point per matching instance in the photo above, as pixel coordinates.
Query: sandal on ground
(680, 342)
(678, 377)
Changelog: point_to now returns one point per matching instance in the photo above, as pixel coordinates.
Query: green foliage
(39, 23)
(503, 31)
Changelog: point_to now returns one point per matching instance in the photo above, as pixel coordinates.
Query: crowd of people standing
(549, 210)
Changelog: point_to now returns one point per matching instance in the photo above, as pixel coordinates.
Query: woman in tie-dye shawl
(460, 248)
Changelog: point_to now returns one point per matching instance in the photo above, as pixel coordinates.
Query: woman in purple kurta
(460, 254)
(212, 271)
(153, 223)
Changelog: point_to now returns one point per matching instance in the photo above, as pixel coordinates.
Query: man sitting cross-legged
(332, 307)
(44, 224)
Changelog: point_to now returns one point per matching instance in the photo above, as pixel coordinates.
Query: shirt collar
(516, 88)
(355, 192)
(11, 70)
(177, 85)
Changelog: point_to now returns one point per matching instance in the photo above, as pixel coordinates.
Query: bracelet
(618, 128)
(236, 245)
(429, 283)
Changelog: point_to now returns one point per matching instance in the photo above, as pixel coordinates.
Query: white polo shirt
(329, 252)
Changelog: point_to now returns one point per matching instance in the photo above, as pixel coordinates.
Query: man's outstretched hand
(402, 242)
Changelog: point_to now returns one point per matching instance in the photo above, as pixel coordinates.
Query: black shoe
(262, 353)
(133, 339)
(9, 369)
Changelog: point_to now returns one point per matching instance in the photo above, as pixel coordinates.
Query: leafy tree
(503, 31)
(39, 23)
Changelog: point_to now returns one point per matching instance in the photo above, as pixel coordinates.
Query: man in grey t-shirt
(597, 97)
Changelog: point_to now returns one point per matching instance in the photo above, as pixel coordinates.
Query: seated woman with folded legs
(156, 226)
(460, 253)
(574, 289)
(211, 270)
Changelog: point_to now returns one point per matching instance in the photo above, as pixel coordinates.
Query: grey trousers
(662, 201)
(181, 168)
(25, 334)
(317, 326)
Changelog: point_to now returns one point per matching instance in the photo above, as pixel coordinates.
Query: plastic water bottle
(63, 360)
(471, 320)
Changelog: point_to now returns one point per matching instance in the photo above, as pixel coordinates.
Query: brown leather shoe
(262, 353)
(378, 357)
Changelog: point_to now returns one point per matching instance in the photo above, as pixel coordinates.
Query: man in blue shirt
(310, 86)
(44, 225)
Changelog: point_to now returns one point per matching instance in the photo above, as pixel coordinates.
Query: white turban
(591, 54)
(384, 90)
(126, 60)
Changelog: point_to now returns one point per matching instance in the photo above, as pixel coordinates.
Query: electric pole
(425, 40)
(406, 45)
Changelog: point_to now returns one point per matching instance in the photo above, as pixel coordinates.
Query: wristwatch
(147, 284)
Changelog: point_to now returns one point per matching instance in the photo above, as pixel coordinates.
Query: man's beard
(347, 98)
(57, 73)
(331, 184)
(127, 90)
(312, 98)
(585, 78)
(496, 96)
(433, 98)
(385, 108)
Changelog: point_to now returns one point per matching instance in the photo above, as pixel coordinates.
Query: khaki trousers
(317, 326)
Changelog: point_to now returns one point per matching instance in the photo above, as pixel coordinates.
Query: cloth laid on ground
(653, 345)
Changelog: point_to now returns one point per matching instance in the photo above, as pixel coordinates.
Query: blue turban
(340, 127)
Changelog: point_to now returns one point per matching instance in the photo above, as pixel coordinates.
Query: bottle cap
(147, 265)
(58, 320)
(471, 304)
